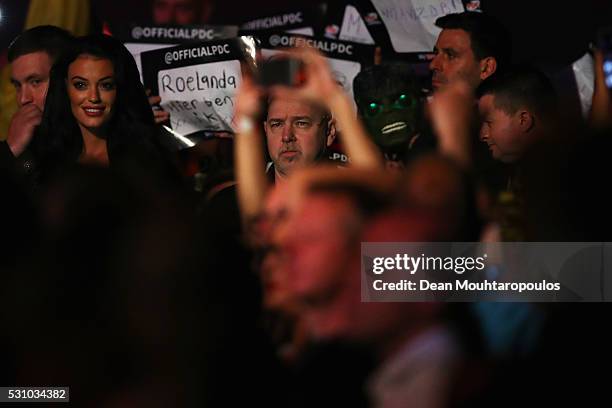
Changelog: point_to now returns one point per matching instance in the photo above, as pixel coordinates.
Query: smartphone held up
(605, 45)
(281, 70)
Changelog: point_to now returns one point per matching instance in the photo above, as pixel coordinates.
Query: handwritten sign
(583, 72)
(411, 23)
(187, 117)
(197, 83)
(353, 27)
(207, 91)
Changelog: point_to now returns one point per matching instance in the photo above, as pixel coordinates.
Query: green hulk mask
(389, 101)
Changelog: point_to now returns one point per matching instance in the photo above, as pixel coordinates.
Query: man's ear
(526, 120)
(331, 132)
(488, 66)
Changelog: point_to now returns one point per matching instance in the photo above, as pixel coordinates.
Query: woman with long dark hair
(96, 110)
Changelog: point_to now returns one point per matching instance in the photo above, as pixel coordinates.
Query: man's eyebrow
(28, 78)
(302, 117)
(34, 76)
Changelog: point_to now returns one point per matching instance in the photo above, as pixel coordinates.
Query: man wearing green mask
(390, 103)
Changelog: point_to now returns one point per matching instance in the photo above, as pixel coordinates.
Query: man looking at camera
(297, 133)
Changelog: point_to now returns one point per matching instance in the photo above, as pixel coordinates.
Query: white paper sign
(200, 97)
(585, 82)
(344, 72)
(411, 23)
(354, 28)
(188, 117)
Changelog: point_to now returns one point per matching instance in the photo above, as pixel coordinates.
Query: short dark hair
(489, 38)
(523, 86)
(47, 38)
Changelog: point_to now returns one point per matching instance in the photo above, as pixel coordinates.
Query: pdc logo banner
(196, 52)
(275, 22)
(172, 33)
(169, 34)
(344, 50)
(305, 20)
(139, 38)
(326, 46)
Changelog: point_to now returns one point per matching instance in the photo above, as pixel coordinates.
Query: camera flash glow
(607, 66)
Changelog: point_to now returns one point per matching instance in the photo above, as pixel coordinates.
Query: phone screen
(605, 45)
(281, 71)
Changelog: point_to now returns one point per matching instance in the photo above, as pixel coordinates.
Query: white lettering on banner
(411, 23)
(353, 28)
(197, 52)
(173, 33)
(325, 46)
(200, 97)
(275, 21)
(339, 157)
(138, 48)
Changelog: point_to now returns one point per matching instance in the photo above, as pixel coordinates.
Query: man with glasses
(297, 133)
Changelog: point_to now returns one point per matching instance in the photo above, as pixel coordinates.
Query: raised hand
(22, 128)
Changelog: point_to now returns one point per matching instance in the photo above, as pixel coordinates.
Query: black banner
(172, 34)
(337, 49)
(305, 21)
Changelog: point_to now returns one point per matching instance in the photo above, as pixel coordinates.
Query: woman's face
(92, 91)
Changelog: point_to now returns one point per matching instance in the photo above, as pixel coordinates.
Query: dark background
(545, 32)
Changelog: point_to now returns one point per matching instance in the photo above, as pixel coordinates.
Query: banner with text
(344, 22)
(197, 83)
(139, 38)
(405, 29)
(303, 21)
